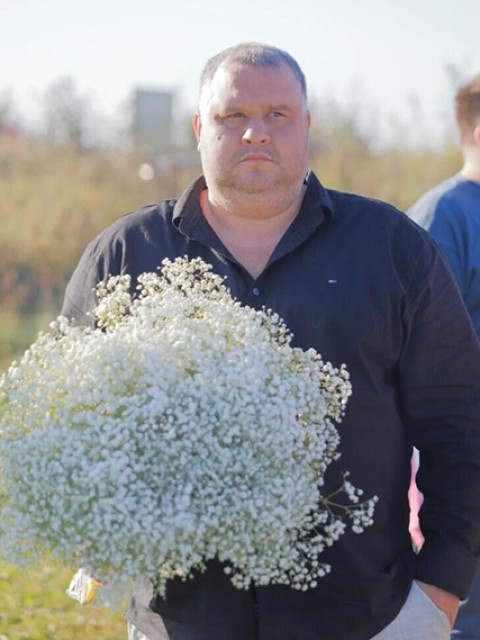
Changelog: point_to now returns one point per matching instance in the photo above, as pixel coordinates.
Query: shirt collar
(315, 209)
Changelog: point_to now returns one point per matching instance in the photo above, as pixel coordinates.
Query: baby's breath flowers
(182, 428)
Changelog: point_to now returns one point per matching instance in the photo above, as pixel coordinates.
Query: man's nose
(256, 132)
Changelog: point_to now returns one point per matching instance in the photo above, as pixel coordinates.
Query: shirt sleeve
(440, 382)
(80, 296)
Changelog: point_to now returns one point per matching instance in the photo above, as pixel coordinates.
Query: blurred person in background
(451, 212)
(358, 281)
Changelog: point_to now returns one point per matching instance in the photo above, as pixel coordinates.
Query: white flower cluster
(184, 427)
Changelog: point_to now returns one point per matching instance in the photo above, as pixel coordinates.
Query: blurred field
(35, 607)
(52, 202)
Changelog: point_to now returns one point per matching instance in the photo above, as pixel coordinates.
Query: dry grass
(52, 203)
(35, 607)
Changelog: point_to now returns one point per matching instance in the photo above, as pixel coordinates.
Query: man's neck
(250, 235)
(471, 166)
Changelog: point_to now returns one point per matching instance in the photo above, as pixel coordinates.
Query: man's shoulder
(155, 218)
(375, 223)
(147, 221)
(131, 245)
(347, 206)
(423, 210)
(373, 209)
(463, 189)
(144, 217)
(458, 207)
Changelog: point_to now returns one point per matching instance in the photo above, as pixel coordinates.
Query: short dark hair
(252, 54)
(468, 108)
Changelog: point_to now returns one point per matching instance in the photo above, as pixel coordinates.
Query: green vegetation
(35, 607)
(53, 200)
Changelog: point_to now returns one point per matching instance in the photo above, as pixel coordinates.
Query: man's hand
(445, 601)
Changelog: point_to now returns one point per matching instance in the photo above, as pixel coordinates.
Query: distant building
(153, 120)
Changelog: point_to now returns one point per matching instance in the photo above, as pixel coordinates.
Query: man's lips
(256, 157)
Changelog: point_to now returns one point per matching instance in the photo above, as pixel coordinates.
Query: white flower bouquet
(184, 427)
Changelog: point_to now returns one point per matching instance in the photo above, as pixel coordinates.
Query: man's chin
(257, 184)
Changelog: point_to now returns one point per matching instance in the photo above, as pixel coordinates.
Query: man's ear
(197, 125)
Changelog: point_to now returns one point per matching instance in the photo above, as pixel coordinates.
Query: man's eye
(277, 114)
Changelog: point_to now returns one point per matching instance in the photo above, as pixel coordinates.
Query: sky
(386, 58)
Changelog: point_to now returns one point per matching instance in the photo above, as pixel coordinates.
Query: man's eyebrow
(271, 107)
(280, 107)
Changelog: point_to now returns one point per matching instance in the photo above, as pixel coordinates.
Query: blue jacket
(456, 228)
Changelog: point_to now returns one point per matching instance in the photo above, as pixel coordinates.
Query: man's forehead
(231, 73)
(233, 82)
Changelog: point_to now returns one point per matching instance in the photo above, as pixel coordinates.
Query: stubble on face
(256, 181)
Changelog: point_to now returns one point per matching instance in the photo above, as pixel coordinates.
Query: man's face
(252, 129)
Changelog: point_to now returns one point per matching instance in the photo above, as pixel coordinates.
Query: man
(451, 212)
(358, 281)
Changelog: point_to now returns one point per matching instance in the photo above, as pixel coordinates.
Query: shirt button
(256, 291)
